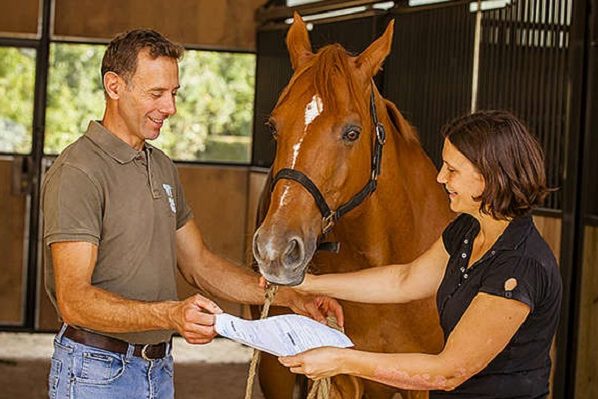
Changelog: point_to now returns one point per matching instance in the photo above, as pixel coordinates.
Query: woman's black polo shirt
(522, 369)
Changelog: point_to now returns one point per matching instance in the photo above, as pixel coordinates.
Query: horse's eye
(351, 134)
(272, 128)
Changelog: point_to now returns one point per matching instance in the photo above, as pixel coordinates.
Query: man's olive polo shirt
(127, 202)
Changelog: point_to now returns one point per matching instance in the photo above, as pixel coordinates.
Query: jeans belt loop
(144, 355)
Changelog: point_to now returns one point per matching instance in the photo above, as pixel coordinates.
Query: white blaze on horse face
(313, 109)
(284, 195)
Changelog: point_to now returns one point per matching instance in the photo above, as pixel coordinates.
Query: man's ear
(113, 84)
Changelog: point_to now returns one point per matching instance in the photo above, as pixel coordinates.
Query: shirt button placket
(464, 256)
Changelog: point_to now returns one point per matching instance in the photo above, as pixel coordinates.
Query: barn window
(214, 105)
(17, 77)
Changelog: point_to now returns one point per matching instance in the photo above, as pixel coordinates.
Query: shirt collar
(515, 233)
(110, 144)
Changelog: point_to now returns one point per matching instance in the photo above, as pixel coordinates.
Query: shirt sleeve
(72, 207)
(452, 234)
(521, 279)
(184, 213)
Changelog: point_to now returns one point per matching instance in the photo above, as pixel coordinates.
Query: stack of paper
(280, 335)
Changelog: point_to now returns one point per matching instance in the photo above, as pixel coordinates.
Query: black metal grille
(523, 68)
(590, 180)
(272, 74)
(428, 72)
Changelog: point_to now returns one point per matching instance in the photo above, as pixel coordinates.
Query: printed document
(284, 335)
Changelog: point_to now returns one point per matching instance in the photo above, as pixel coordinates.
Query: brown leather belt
(147, 352)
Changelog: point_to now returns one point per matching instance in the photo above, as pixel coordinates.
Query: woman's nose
(440, 176)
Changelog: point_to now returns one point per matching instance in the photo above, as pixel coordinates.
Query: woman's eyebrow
(448, 164)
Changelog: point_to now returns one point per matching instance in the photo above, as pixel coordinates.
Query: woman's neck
(490, 228)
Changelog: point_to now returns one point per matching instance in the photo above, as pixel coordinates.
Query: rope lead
(320, 389)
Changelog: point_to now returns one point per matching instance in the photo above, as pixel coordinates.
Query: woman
(496, 281)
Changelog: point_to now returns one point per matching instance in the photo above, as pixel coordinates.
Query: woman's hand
(316, 363)
(317, 307)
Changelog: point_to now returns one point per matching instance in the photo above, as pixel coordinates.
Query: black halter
(330, 217)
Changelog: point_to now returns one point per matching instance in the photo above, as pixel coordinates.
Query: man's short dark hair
(511, 160)
(121, 55)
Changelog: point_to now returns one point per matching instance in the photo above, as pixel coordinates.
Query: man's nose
(168, 106)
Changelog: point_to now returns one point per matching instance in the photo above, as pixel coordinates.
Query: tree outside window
(17, 79)
(214, 105)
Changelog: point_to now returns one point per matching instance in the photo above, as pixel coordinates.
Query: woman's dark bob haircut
(509, 158)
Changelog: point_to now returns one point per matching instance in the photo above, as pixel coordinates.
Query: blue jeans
(83, 372)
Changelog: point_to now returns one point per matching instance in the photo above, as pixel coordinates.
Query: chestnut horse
(332, 155)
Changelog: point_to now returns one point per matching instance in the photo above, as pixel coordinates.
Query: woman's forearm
(415, 371)
(358, 286)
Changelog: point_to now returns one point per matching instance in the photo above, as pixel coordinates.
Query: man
(116, 225)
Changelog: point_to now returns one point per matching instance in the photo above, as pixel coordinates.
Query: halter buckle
(374, 175)
(380, 133)
(328, 222)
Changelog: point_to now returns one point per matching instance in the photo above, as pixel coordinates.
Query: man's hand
(194, 319)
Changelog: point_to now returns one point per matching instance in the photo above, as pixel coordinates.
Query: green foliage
(215, 103)
(75, 94)
(215, 100)
(17, 77)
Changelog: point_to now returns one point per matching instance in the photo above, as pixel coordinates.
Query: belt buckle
(144, 355)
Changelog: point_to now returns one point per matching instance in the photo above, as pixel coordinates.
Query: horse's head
(324, 131)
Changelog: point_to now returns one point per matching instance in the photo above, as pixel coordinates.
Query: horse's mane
(334, 61)
(404, 128)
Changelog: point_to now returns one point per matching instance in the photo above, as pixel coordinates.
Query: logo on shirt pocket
(169, 192)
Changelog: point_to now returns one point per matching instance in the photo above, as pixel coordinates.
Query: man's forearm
(235, 283)
(100, 310)
(212, 273)
(225, 280)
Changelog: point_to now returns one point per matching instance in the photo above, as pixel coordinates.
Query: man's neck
(117, 127)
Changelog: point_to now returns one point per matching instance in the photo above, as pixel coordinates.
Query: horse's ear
(298, 42)
(371, 59)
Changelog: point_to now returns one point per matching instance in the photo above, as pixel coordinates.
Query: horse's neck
(407, 212)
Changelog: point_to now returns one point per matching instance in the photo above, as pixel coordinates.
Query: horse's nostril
(293, 255)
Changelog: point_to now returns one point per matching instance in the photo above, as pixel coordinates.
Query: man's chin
(152, 136)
